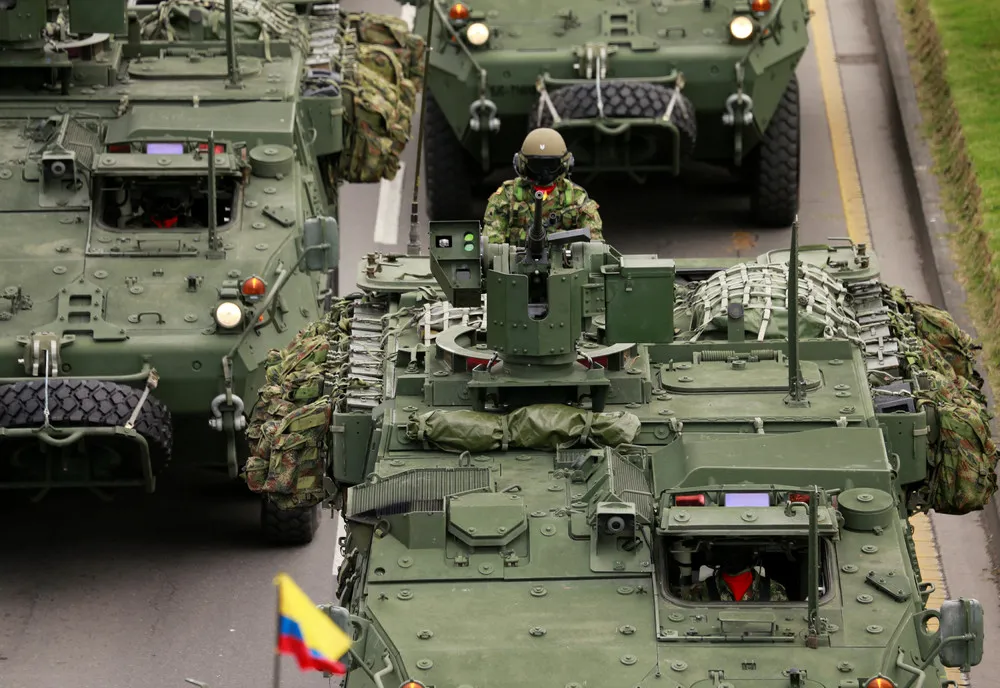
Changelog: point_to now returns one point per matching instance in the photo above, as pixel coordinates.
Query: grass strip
(955, 64)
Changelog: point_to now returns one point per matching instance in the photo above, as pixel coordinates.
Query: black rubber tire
(775, 166)
(89, 403)
(621, 99)
(452, 177)
(288, 526)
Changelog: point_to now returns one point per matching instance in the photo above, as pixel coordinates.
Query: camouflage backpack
(383, 61)
(393, 33)
(377, 126)
(939, 329)
(963, 457)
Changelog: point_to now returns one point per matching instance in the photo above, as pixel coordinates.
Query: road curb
(931, 217)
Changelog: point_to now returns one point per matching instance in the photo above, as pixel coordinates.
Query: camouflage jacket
(702, 592)
(509, 211)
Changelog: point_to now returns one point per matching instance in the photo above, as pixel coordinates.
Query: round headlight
(477, 33)
(228, 315)
(741, 28)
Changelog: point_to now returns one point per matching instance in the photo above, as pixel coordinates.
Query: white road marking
(390, 196)
(408, 13)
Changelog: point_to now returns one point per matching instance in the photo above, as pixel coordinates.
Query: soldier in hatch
(737, 581)
(542, 164)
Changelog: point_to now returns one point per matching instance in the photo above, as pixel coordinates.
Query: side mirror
(961, 618)
(321, 243)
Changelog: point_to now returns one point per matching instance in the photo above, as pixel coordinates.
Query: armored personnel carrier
(633, 88)
(169, 192)
(542, 484)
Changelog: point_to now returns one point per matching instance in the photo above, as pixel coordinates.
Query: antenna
(413, 247)
(796, 385)
(812, 639)
(232, 66)
(213, 238)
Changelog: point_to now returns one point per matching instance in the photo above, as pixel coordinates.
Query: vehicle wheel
(774, 195)
(640, 100)
(90, 403)
(296, 526)
(452, 178)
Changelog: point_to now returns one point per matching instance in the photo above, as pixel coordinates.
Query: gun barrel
(536, 236)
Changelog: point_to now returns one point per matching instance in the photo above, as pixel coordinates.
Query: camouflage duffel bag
(962, 457)
(393, 33)
(937, 327)
(292, 472)
(541, 426)
(376, 126)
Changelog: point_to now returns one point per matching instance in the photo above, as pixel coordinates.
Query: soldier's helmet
(543, 157)
(734, 560)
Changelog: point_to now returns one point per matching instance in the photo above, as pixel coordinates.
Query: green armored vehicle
(564, 484)
(633, 88)
(169, 196)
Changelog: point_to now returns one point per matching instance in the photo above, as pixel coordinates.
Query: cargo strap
(151, 381)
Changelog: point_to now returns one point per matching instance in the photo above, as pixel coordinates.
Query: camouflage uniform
(701, 592)
(510, 211)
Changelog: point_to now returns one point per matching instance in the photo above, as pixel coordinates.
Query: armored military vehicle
(542, 484)
(634, 89)
(169, 196)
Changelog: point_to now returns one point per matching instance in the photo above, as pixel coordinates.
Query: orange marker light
(412, 684)
(880, 682)
(761, 6)
(254, 286)
(460, 12)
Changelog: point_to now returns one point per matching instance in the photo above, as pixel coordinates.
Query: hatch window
(165, 202)
(721, 570)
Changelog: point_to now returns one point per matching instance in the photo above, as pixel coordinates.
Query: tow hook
(484, 112)
(229, 421)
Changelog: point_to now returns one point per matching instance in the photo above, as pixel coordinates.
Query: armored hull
(170, 192)
(546, 479)
(637, 90)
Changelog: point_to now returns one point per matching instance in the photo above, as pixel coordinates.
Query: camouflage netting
(931, 345)
(541, 426)
(333, 365)
(374, 60)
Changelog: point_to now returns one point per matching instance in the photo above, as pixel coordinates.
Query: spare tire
(621, 99)
(89, 403)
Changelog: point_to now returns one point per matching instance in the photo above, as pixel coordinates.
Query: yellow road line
(840, 129)
(856, 217)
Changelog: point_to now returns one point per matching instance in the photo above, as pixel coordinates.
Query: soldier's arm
(495, 221)
(590, 217)
(778, 592)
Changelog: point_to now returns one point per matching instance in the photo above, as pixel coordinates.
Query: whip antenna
(413, 247)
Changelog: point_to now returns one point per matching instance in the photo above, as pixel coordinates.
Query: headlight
(228, 315)
(741, 28)
(477, 33)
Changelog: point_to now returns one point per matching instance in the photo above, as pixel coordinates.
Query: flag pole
(276, 674)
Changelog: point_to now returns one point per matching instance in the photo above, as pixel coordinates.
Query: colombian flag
(307, 633)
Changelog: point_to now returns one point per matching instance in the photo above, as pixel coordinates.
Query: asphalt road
(149, 590)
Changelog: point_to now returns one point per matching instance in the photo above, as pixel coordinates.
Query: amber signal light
(253, 288)
(760, 6)
(460, 12)
(880, 682)
(412, 684)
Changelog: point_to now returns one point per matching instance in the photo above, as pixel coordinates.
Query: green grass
(954, 48)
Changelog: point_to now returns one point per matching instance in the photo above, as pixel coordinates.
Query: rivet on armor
(261, 247)
(424, 664)
(628, 660)
(626, 629)
(548, 530)
(874, 629)
(100, 274)
(536, 631)
(849, 568)
(538, 591)
(869, 549)
(190, 317)
(538, 514)
(59, 269)
(626, 590)
(485, 569)
(425, 634)
(405, 562)
(404, 595)
(676, 617)
(678, 665)
(844, 667)
(865, 598)
(259, 225)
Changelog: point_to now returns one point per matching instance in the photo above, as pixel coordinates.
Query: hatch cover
(723, 376)
(491, 519)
